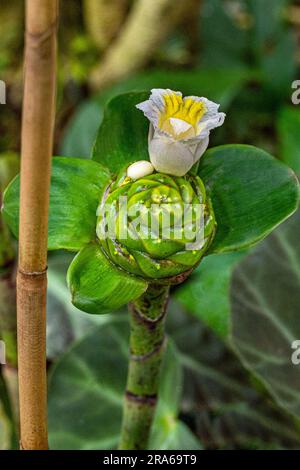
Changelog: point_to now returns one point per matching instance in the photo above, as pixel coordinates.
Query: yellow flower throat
(186, 109)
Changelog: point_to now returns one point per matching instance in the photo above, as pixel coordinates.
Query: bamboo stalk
(147, 345)
(37, 141)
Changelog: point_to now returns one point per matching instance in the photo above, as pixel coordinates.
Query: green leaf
(87, 387)
(82, 129)
(76, 187)
(251, 192)
(206, 292)
(97, 286)
(288, 125)
(123, 134)
(265, 313)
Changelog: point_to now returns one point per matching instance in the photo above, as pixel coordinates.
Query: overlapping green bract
(163, 227)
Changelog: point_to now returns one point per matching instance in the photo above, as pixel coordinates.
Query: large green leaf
(97, 286)
(288, 126)
(251, 192)
(76, 187)
(81, 131)
(123, 134)
(206, 292)
(87, 388)
(265, 313)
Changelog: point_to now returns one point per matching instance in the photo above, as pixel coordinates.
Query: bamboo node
(33, 273)
(36, 39)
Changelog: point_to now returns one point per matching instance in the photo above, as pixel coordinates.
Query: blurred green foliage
(265, 295)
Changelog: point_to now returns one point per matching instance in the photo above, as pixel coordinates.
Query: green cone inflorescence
(162, 225)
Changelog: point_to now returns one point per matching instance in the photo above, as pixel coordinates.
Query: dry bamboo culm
(36, 152)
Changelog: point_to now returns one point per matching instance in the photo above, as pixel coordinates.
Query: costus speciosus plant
(144, 211)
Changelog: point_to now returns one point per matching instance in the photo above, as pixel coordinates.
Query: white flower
(179, 129)
(139, 169)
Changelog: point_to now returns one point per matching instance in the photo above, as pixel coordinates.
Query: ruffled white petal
(211, 119)
(155, 105)
(207, 125)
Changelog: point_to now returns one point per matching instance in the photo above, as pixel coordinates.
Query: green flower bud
(156, 227)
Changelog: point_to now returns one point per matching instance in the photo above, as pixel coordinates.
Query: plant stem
(37, 141)
(147, 345)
